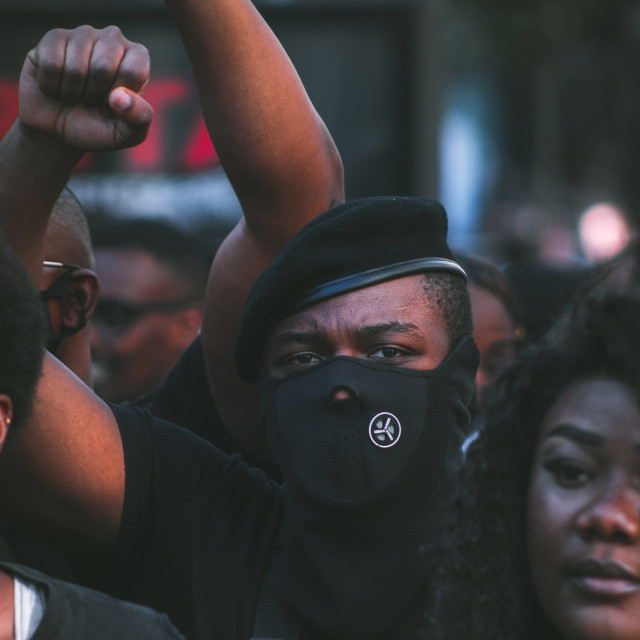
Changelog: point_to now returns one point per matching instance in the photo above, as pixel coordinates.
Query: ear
(75, 308)
(87, 284)
(6, 417)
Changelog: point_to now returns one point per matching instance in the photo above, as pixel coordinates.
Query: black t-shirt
(185, 399)
(197, 532)
(76, 613)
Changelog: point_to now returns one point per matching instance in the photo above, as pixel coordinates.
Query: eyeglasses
(60, 286)
(52, 264)
(116, 316)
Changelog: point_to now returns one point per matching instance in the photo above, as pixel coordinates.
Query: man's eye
(386, 352)
(303, 359)
(568, 473)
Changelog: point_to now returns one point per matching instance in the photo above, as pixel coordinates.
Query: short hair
(486, 549)
(22, 335)
(168, 244)
(69, 222)
(449, 294)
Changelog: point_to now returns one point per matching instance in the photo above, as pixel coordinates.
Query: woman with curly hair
(546, 542)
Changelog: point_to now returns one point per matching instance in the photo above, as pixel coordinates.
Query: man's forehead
(396, 305)
(347, 249)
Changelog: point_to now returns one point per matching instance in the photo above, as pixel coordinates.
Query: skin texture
(584, 505)
(494, 334)
(64, 244)
(63, 480)
(391, 322)
(133, 362)
(282, 164)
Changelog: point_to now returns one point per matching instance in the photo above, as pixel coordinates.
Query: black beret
(354, 245)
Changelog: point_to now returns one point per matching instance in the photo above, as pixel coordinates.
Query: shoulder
(72, 611)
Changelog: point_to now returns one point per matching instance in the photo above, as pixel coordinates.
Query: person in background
(324, 334)
(497, 324)
(152, 282)
(32, 604)
(547, 522)
(69, 285)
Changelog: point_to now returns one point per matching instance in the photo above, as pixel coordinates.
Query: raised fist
(84, 89)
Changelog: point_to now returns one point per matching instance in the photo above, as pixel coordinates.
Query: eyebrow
(582, 436)
(387, 327)
(314, 335)
(297, 337)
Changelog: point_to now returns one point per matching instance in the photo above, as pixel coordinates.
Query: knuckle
(102, 70)
(50, 68)
(74, 74)
(113, 32)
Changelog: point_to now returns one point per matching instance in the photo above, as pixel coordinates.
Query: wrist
(46, 146)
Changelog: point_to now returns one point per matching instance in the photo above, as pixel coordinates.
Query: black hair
(69, 219)
(448, 293)
(485, 586)
(486, 275)
(168, 244)
(22, 335)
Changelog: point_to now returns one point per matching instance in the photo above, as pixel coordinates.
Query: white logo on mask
(384, 430)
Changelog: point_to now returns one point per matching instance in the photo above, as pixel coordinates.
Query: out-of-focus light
(604, 231)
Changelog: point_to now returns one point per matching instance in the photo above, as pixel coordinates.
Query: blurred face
(141, 326)
(584, 513)
(391, 322)
(494, 334)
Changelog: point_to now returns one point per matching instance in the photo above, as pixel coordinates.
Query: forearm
(276, 151)
(33, 171)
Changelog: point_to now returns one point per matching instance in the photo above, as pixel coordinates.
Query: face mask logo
(385, 430)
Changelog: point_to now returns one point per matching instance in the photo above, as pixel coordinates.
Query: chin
(600, 624)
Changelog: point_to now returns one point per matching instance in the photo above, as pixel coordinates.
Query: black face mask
(59, 287)
(368, 481)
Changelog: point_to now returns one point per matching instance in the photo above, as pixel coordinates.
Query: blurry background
(519, 115)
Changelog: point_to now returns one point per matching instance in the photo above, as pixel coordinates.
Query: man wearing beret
(358, 334)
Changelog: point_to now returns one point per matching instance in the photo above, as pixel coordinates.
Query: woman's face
(584, 512)
(494, 334)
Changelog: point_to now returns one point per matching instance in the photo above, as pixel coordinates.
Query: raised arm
(79, 90)
(280, 160)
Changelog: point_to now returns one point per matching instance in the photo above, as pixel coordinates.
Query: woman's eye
(568, 473)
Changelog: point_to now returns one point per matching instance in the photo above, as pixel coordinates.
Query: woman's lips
(604, 577)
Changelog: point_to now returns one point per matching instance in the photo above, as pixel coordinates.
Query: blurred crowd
(331, 425)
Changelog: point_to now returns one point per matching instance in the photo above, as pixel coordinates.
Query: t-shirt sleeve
(194, 520)
(185, 399)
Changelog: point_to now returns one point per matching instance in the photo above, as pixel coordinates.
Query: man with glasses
(69, 285)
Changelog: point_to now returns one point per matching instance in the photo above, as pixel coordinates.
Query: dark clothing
(18, 545)
(185, 399)
(197, 531)
(76, 613)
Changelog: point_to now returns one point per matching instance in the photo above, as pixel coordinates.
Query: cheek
(547, 536)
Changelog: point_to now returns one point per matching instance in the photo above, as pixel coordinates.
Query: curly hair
(485, 554)
(22, 335)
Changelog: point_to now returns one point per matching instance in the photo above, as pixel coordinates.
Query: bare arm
(67, 84)
(65, 473)
(280, 160)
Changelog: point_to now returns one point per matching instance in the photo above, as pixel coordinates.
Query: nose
(614, 516)
(342, 399)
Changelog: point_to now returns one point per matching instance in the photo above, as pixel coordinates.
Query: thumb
(133, 112)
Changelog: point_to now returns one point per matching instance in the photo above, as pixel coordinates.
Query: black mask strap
(59, 288)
